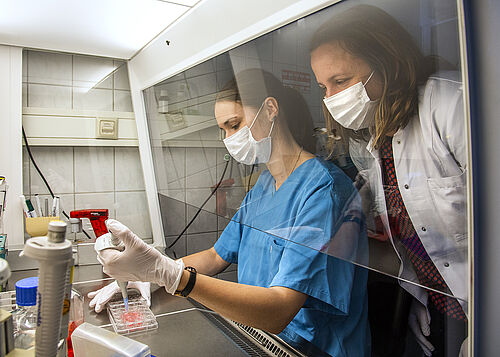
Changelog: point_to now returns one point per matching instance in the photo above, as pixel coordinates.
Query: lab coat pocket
(449, 197)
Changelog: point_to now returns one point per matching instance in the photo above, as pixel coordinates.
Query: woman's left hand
(101, 297)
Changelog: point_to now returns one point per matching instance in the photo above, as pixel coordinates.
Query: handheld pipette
(110, 241)
(122, 284)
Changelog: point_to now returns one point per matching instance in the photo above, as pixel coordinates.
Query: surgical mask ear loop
(274, 119)
(371, 75)
(256, 115)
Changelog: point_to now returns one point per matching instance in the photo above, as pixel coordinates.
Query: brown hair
(377, 38)
(251, 86)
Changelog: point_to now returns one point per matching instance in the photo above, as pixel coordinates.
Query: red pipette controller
(97, 218)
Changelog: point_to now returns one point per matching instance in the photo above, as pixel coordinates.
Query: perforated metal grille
(267, 343)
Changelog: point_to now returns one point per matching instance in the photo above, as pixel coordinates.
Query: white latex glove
(103, 295)
(419, 322)
(139, 261)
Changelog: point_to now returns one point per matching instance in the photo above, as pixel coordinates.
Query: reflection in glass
(388, 112)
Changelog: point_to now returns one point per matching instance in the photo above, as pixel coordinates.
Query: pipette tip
(125, 302)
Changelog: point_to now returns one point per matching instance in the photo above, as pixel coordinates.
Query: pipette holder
(38, 226)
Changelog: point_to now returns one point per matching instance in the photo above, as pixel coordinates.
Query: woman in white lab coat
(404, 126)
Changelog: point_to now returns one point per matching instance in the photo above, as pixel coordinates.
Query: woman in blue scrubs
(313, 301)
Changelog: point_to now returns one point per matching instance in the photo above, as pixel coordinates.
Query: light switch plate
(106, 128)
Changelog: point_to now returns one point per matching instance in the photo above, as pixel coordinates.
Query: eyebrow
(228, 120)
(332, 77)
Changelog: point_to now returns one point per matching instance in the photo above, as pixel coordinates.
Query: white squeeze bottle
(54, 254)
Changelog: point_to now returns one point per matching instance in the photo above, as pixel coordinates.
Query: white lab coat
(430, 158)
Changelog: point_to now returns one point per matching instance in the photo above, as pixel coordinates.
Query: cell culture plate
(138, 318)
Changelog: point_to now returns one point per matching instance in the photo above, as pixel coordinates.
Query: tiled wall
(189, 176)
(66, 81)
(84, 177)
(92, 177)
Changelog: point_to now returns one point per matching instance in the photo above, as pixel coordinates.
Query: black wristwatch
(190, 284)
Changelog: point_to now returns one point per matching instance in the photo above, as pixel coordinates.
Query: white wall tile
(199, 160)
(222, 62)
(223, 77)
(56, 164)
(264, 46)
(94, 169)
(93, 72)
(122, 101)
(128, 169)
(202, 179)
(49, 68)
(91, 201)
(173, 212)
(196, 196)
(202, 68)
(202, 85)
(202, 241)
(173, 164)
(285, 45)
(120, 76)
(49, 96)
(132, 211)
(95, 99)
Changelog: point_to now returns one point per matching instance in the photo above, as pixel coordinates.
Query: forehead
(226, 110)
(330, 59)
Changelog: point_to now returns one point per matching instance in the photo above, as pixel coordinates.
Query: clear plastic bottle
(25, 316)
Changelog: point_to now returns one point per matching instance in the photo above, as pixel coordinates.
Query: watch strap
(190, 284)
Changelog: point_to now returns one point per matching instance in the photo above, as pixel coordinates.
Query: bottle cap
(57, 231)
(26, 291)
(57, 226)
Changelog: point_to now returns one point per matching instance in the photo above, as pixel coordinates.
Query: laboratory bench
(185, 327)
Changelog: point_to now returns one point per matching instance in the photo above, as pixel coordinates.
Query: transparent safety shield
(340, 134)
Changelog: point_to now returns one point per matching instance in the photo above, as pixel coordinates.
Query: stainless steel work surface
(188, 333)
(185, 328)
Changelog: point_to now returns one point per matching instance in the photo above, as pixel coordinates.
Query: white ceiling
(110, 28)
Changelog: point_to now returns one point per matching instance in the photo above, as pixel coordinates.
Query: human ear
(271, 107)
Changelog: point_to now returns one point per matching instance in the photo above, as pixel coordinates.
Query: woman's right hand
(139, 261)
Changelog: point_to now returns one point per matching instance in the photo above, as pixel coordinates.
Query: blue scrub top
(275, 238)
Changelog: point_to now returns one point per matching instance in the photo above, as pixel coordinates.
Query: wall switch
(106, 128)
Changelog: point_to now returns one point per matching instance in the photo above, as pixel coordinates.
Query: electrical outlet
(106, 128)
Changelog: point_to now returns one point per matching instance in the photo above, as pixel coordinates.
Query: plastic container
(90, 341)
(25, 316)
(138, 318)
(38, 226)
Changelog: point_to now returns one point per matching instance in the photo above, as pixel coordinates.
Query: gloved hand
(139, 261)
(103, 295)
(419, 322)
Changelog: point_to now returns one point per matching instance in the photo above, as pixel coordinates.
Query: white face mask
(352, 108)
(245, 149)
